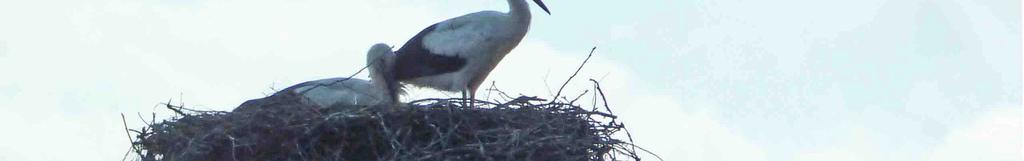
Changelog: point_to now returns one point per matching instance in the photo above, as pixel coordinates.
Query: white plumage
(457, 54)
(347, 92)
(344, 91)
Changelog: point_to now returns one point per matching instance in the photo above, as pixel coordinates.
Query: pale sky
(703, 80)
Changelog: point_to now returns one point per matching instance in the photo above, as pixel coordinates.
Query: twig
(171, 107)
(645, 150)
(337, 81)
(593, 103)
(578, 97)
(573, 74)
(494, 87)
(271, 89)
(489, 90)
(130, 140)
(605, 100)
(141, 118)
(546, 86)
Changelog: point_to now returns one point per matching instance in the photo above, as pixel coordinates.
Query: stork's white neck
(519, 10)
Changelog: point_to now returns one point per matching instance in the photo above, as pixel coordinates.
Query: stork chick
(353, 91)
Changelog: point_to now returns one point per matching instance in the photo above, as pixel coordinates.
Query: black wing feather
(414, 60)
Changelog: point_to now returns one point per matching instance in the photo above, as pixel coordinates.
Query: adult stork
(352, 91)
(457, 54)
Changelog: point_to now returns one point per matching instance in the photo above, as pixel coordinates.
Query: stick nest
(280, 127)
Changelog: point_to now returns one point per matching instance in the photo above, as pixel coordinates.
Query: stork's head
(379, 59)
(542, 6)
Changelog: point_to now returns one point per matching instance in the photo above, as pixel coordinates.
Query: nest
(280, 127)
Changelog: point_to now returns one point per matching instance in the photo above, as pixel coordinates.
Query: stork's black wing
(414, 60)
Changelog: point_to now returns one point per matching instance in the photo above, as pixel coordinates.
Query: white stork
(457, 54)
(352, 91)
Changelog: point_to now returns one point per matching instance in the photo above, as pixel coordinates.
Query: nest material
(282, 128)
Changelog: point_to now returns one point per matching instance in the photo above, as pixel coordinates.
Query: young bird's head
(380, 61)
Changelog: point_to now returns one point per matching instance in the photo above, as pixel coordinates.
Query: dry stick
(130, 140)
(593, 103)
(545, 80)
(628, 135)
(142, 119)
(489, 91)
(271, 89)
(181, 103)
(578, 97)
(573, 74)
(337, 81)
(645, 150)
(603, 98)
(171, 107)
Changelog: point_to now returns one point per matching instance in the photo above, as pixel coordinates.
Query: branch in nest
(574, 74)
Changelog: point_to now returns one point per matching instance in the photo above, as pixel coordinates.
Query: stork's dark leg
(472, 96)
(464, 98)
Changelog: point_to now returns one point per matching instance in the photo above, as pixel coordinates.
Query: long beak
(542, 6)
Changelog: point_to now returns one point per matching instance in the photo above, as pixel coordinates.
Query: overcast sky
(702, 80)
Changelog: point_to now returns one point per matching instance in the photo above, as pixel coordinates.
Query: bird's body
(480, 46)
(457, 54)
(353, 91)
(338, 91)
